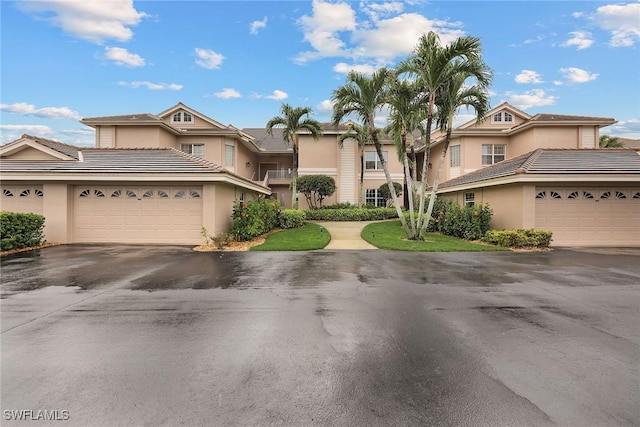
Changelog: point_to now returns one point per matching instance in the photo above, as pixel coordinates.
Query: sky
(238, 61)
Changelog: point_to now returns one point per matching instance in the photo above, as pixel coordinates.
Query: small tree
(608, 141)
(316, 188)
(384, 192)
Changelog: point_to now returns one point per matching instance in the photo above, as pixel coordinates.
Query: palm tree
(362, 136)
(450, 97)
(608, 141)
(292, 121)
(406, 114)
(364, 96)
(433, 65)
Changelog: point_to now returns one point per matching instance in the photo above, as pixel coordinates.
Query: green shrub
(468, 222)
(20, 230)
(520, 238)
(352, 214)
(221, 240)
(292, 218)
(384, 192)
(254, 218)
(316, 188)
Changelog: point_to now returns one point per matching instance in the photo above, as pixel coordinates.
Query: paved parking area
(144, 335)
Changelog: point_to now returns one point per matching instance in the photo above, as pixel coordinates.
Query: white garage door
(130, 214)
(590, 216)
(22, 199)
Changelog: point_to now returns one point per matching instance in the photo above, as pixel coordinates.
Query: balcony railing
(276, 175)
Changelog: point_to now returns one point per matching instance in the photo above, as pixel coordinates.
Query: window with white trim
(469, 199)
(196, 150)
(454, 156)
(229, 155)
(372, 161)
(372, 197)
(493, 153)
(502, 117)
(182, 117)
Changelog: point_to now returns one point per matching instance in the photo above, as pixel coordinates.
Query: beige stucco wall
(513, 204)
(30, 153)
(143, 137)
(320, 154)
(58, 212)
(244, 156)
(556, 137)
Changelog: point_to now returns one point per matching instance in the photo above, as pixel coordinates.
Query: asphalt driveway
(142, 335)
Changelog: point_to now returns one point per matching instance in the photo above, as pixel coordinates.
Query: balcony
(274, 177)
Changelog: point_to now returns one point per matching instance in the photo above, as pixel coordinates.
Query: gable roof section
(503, 106)
(55, 149)
(124, 164)
(180, 106)
(583, 163)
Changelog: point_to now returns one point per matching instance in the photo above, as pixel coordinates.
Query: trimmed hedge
(254, 218)
(291, 218)
(351, 214)
(520, 238)
(467, 222)
(20, 230)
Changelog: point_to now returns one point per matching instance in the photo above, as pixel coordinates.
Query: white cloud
(625, 129)
(277, 95)
(95, 21)
(208, 59)
(321, 28)
(25, 109)
(121, 56)
(528, 76)
(577, 75)
(532, 98)
(579, 39)
(622, 21)
(257, 25)
(344, 68)
(325, 107)
(558, 83)
(35, 129)
(399, 35)
(151, 86)
(227, 93)
(376, 10)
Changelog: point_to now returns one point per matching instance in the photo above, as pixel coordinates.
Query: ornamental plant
(253, 218)
(20, 230)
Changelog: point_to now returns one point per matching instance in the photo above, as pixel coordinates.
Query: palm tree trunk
(376, 143)
(436, 180)
(425, 165)
(294, 177)
(361, 189)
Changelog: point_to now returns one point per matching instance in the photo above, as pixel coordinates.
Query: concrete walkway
(346, 235)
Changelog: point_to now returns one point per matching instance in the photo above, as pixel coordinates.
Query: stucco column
(209, 208)
(528, 205)
(57, 208)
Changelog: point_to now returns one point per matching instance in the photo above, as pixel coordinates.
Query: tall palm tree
(292, 121)
(450, 97)
(431, 65)
(364, 96)
(362, 136)
(608, 141)
(405, 117)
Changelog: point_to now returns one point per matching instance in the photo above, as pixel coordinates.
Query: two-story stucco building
(159, 178)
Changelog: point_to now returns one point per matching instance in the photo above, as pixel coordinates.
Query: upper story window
(371, 160)
(493, 153)
(454, 156)
(196, 150)
(229, 155)
(502, 117)
(182, 117)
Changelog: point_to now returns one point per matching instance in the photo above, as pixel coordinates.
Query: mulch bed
(32, 248)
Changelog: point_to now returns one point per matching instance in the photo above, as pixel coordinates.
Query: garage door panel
(593, 217)
(138, 215)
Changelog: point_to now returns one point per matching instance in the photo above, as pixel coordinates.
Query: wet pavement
(143, 335)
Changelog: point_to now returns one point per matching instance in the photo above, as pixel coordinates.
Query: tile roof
(557, 161)
(134, 118)
(109, 160)
(267, 142)
(66, 149)
(564, 117)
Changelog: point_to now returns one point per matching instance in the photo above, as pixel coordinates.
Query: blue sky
(238, 61)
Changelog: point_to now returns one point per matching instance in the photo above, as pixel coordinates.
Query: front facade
(159, 178)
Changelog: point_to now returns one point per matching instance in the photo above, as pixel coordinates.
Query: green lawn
(390, 235)
(306, 238)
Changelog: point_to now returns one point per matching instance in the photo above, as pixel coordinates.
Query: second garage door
(589, 216)
(134, 214)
